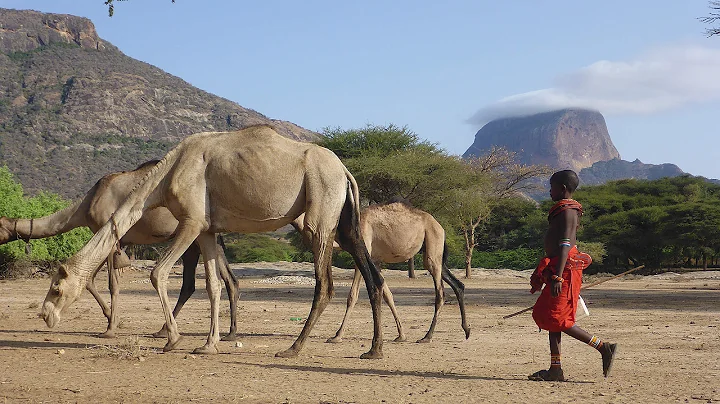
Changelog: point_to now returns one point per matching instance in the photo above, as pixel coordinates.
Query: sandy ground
(667, 327)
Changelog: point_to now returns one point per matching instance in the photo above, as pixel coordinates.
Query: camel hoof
(107, 334)
(171, 345)
(206, 350)
(400, 338)
(229, 337)
(161, 334)
(424, 340)
(372, 354)
(334, 340)
(288, 353)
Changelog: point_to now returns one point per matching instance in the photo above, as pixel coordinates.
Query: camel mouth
(50, 315)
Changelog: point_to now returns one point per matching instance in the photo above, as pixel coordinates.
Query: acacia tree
(390, 162)
(712, 18)
(495, 177)
(111, 6)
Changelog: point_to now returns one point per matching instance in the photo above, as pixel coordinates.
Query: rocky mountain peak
(562, 139)
(23, 31)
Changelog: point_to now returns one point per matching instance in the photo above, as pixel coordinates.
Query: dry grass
(131, 348)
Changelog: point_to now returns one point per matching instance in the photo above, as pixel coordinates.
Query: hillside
(73, 107)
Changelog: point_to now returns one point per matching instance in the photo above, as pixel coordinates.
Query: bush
(518, 258)
(259, 247)
(14, 204)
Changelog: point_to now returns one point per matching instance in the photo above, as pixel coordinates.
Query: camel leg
(232, 287)
(322, 249)
(187, 231)
(90, 286)
(114, 287)
(388, 297)
(459, 288)
(435, 271)
(351, 241)
(209, 249)
(190, 259)
(351, 300)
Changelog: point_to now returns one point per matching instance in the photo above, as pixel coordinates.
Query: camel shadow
(384, 372)
(42, 344)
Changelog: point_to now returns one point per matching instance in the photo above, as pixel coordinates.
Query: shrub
(258, 247)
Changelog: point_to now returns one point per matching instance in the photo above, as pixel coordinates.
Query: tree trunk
(469, 247)
(411, 268)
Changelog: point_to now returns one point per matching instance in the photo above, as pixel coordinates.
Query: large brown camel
(248, 181)
(395, 232)
(155, 226)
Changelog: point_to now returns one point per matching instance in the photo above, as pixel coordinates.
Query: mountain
(617, 169)
(73, 107)
(563, 139)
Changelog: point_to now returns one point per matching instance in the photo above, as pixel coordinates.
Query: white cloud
(658, 80)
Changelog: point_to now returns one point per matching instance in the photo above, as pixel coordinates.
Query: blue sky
(441, 68)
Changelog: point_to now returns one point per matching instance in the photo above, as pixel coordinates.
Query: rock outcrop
(564, 139)
(23, 31)
(73, 107)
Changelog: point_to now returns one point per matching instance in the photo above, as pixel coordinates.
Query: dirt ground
(667, 327)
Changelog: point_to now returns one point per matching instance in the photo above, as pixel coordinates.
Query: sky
(441, 68)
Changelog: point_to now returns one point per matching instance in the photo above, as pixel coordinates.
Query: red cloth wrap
(557, 314)
(563, 205)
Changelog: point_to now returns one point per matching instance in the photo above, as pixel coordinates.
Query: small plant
(131, 348)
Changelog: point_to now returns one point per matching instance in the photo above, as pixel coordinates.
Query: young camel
(155, 226)
(395, 232)
(249, 181)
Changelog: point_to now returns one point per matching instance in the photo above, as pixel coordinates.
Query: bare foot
(608, 355)
(549, 375)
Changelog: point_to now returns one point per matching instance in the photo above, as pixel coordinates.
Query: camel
(395, 232)
(251, 180)
(156, 225)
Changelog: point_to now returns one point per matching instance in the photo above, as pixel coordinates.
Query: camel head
(6, 230)
(65, 288)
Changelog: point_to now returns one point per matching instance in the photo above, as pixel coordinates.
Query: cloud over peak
(658, 80)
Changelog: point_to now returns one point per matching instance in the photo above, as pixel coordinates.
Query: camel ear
(62, 272)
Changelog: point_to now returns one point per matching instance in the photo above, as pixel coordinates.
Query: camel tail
(458, 287)
(349, 236)
(130, 211)
(355, 193)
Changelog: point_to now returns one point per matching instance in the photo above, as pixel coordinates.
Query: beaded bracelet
(557, 278)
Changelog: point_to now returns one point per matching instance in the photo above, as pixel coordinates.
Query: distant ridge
(616, 169)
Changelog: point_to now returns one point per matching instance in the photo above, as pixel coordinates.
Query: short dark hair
(567, 178)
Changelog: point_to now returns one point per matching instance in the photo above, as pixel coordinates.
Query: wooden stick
(583, 287)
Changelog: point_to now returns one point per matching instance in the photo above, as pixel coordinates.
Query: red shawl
(563, 205)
